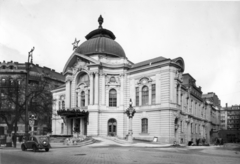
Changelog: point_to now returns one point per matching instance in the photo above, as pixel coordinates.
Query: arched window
(144, 125)
(82, 98)
(112, 97)
(145, 95)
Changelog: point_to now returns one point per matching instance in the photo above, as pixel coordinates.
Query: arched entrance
(112, 127)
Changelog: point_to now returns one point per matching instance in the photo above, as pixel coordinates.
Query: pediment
(79, 61)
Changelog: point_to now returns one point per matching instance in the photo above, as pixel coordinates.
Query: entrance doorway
(112, 127)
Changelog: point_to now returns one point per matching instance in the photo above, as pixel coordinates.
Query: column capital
(122, 75)
(103, 74)
(96, 73)
(68, 78)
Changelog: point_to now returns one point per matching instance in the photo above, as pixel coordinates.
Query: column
(80, 126)
(172, 86)
(132, 89)
(96, 89)
(175, 92)
(86, 97)
(91, 88)
(103, 89)
(107, 97)
(150, 94)
(68, 94)
(73, 124)
(118, 96)
(79, 100)
(140, 95)
(158, 88)
(179, 95)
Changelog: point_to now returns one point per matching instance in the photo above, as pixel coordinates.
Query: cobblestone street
(115, 154)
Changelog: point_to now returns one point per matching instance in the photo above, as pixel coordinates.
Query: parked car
(36, 142)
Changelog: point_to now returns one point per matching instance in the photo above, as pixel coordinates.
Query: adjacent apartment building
(230, 123)
(11, 75)
(100, 81)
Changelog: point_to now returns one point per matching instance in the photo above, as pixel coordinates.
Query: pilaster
(91, 88)
(122, 89)
(96, 88)
(103, 88)
(68, 92)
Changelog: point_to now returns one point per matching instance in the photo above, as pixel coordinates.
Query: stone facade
(100, 83)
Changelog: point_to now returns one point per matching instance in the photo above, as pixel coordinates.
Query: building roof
(47, 72)
(35, 70)
(149, 62)
(101, 41)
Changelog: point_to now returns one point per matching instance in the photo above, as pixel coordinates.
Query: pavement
(232, 150)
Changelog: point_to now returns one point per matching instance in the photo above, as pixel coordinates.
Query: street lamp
(26, 90)
(130, 113)
(32, 119)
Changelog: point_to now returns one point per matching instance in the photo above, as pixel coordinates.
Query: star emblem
(75, 43)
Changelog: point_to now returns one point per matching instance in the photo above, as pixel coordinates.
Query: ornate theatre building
(100, 81)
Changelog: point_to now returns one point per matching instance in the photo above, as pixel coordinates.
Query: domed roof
(101, 41)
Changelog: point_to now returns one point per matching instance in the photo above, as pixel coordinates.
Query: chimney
(226, 105)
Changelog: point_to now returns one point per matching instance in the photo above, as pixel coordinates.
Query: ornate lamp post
(130, 113)
(26, 90)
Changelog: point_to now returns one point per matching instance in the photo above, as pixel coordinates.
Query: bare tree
(13, 100)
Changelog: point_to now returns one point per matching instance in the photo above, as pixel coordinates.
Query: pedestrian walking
(14, 140)
(9, 141)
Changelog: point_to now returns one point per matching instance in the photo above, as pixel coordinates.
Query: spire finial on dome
(100, 21)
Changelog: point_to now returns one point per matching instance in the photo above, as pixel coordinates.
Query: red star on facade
(75, 43)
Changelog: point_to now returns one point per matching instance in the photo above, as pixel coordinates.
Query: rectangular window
(153, 93)
(113, 98)
(137, 96)
(145, 94)
(144, 125)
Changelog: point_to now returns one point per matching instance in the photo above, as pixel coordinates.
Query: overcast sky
(205, 34)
